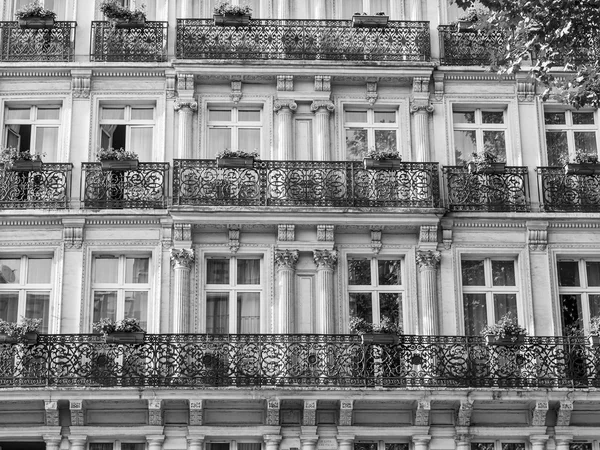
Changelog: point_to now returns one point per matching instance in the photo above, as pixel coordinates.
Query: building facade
(245, 275)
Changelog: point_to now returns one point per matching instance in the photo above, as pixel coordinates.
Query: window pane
(390, 307)
(390, 446)
(482, 446)
(217, 271)
(140, 142)
(18, 114)
(505, 304)
(142, 113)
(249, 139)
(385, 117)
(105, 305)
(356, 116)
(593, 273)
(389, 272)
(248, 271)
(136, 305)
(356, 143)
(586, 143)
(503, 273)
(554, 118)
(557, 148)
(492, 117)
(113, 114)
(48, 113)
(218, 140)
(349, 7)
(132, 446)
(380, 6)
(583, 118)
(473, 273)
(463, 116)
(39, 270)
(513, 446)
(9, 306)
(571, 313)
(218, 115)
(568, 273)
(136, 270)
(493, 142)
(252, 115)
(10, 271)
(217, 312)
(248, 307)
(37, 306)
(100, 446)
(46, 142)
(106, 270)
(361, 306)
(359, 272)
(475, 310)
(594, 305)
(465, 143)
(385, 140)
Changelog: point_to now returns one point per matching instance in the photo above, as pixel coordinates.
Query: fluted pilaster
(182, 260)
(421, 124)
(184, 131)
(285, 110)
(286, 261)
(322, 110)
(428, 262)
(325, 261)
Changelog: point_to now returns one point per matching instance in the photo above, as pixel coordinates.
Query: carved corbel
(273, 408)
(323, 83)
(285, 82)
(463, 416)
(155, 412)
(76, 410)
(422, 413)
(196, 413)
(371, 92)
(185, 84)
(236, 91)
(73, 232)
(286, 232)
(309, 416)
(182, 232)
(539, 414)
(233, 234)
(81, 82)
(325, 233)
(346, 408)
(376, 243)
(51, 413)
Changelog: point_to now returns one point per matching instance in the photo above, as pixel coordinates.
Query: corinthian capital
(286, 259)
(322, 104)
(325, 259)
(428, 259)
(182, 257)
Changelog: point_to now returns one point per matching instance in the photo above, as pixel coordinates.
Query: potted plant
(122, 17)
(595, 331)
(471, 15)
(236, 158)
(20, 161)
(117, 159)
(25, 331)
(125, 331)
(504, 332)
(34, 15)
(583, 164)
(385, 332)
(382, 159)
(485, 162)
(226, 14)
(379, 19)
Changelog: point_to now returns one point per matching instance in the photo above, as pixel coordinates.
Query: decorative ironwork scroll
(508, 191)
(145, 187)
(145, 44)
(26, 44)
(467, 49)
(305, 183)
(49, 187)
(303, 40)
(561, 192)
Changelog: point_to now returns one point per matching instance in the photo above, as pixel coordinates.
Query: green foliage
(128, 325)
(386, 325)
(582, 157)
(237, 154)
(595, 326)
(225, 7)
(483, 159)
(507, 326)
(34, 9)
(113, 10)
(9, 155)
(382, 154)
(19, 329)
(115, 154)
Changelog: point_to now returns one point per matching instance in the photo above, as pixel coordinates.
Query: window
(497, 445)
(375, 289)
(234, 128)
(58, 6)
(117, 445)
(128, 127)
(569, 132)
(120, 287)
(233, 293)
(367, 129)
(33, 128)
(381, 445)
(233, 446)
(349, 7)
(579, 293)
(489, 292)
(479, 130)
(25, 288)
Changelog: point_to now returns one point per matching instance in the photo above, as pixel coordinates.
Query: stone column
(272, 441)
(462, 441)
(285, 110)
(325, 261)
(345, 442)
(286, 261)
(562, 441)
(182, 261)
(421, 126)
(155, 442)
(77, 442)
(184, 132)
(421, 442)
(195, 442)
(538, 442)
(322, 110)
(308, 442)
(428, 262)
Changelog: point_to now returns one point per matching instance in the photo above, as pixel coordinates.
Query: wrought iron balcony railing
(144, 187)
(144, 44)
(508, 191)
(467, 49)
(305, 183)
(561, 192)
(27, 44)
(303, 40)
(48, 187)
(300, 360)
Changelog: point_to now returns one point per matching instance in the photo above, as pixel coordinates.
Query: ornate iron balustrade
(303, 40)
(305, 183)
(144, 44)
(561, 192)
(26, 44)
(49, 187)
(467, 49)
(508, 191)
(145, 187)
(300, 360)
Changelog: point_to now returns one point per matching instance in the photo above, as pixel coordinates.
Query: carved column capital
(428, 260)
(182, 257)
(320, 105)
(285, 105)
(286, 259)
(325, 259)
(190, 105)
(421, 108)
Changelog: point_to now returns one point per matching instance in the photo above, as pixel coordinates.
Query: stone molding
(286, 232)
(322, 83)
(325, 233)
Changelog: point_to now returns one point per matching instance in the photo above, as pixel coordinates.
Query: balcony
(467, 49)
(561, 192)
(145, 187)
(300, 361)
(305, 183)
(305, 40)
(26, 44)
(145, 44)
(46, 188)
(508, 191)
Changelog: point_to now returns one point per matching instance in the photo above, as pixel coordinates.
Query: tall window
(497, 445)
(478, 130)
(120, 287)
(579, 293)
(233, 446)
(370, 129)
(128, 127)
(25, 289)
(349, 7)
(375, 289)
(33, 128)
(489, 292)
(570, 132)
(233, 292)
(118, 445)
(237, 128)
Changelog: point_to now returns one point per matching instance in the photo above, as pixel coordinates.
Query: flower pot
(125, 337)
(25, 165)
(124, 23)
(465, 26)
(379, 338)
(594, 341)
(31, 337)
(371, 163)
(518, 339)
(37, 23)
(7, 339)
(116, 165)
(492, 168)
(369, 21)
(232, 20)
(235, 162)
(582, 169)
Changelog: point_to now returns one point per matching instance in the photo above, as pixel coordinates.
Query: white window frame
(234, 125)
(60, 12)
(570, 129)
(584, 290)
(371, 126)
(479, 127)
(128, 122)
(34, 122)
(116, 444)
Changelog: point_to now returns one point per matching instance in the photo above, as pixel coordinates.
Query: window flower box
(582, 169)
(125, 337)
(30, 338)
(372, 163)
(37, 23)
(492, 339)
(25, 165)
(594, 340)
(235, 162)
(232, 20)
(136, 22)
(491, 168)
(465, 26)
(379, 338)
(117, 165)
(369, 21)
